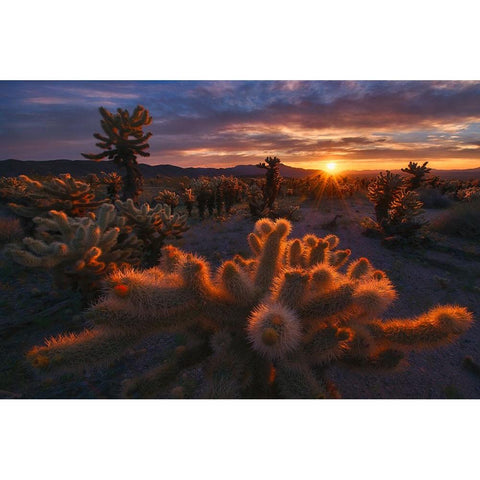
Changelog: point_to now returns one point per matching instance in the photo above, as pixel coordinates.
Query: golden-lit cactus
(265, 326)
(64, 193)
(152, 225)
(79, 251)
(167, 197)
(113, 182)
(396, 207)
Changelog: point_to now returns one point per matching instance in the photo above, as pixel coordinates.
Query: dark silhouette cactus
(273, 180)
(122, 141)
(417, 174)
(263, 203)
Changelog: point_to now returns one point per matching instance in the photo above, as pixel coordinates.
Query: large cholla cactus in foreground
(152, 225)
(79, 251)
(267, 326)
(64, 193)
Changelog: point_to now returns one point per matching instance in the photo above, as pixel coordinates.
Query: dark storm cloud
(195, 122)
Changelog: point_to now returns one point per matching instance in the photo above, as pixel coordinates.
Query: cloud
(236, 121)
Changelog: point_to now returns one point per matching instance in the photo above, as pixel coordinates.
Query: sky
(355, 124)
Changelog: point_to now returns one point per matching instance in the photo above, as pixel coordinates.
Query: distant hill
(80, 168)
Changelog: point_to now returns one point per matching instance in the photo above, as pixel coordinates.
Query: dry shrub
(462, 220)
(433, 198)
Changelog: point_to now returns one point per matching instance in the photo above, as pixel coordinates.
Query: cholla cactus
(229, 193)
(189, 200)
(152, 226)
(468, 194)
(114, 183)
(266, 326)
(79, 251)
(273, 180)
(382, 192)
(64, 193)
(403, 213)
(256, 201)
(123, 139)
(169, 198)
(417, 174)
(396, 208)
(205, 195)
(11, 189)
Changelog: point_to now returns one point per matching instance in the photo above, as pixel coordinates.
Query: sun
(331, 167)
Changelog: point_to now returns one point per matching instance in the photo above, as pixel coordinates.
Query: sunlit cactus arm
(372, 297)
(439, 326)
(291, 288)
(97, 347)
(270, 259)
(236, 283)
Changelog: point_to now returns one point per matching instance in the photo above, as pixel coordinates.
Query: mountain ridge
(13, 168)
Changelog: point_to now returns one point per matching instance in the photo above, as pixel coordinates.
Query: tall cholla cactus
(189, 200)
(417, 174)
(266, 326)
(273, 180)
(73, 197)
(79, 251)
(122, 141)
(205, 195)
(382, 191)
(152, 226)
(256, 201)
(229, 192)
